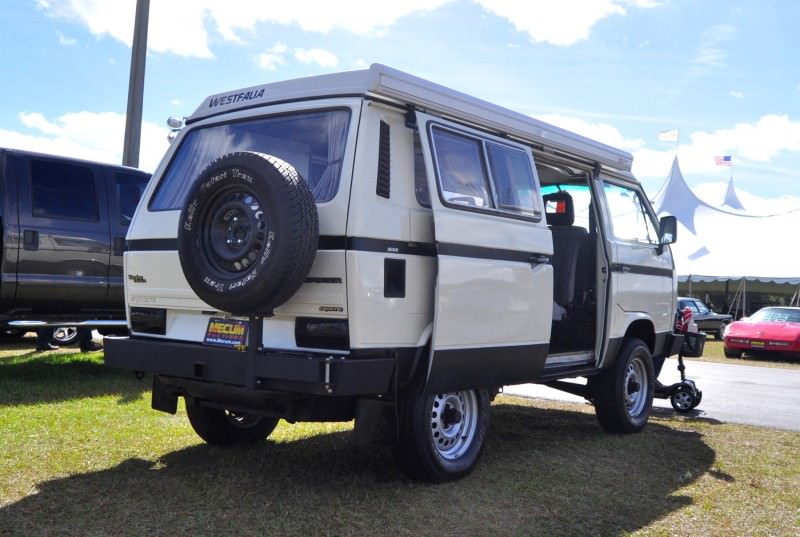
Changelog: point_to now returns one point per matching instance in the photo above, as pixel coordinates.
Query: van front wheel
(442, 435)
(623, 394)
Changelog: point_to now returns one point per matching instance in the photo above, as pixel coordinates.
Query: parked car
(373, 246)
(63, 222)
(769, 330)
(707, 321)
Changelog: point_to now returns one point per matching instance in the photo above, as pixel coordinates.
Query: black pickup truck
(63, 235)
(706, 320)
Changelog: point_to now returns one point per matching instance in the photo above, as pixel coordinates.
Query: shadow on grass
(31, 377)
(544, 472)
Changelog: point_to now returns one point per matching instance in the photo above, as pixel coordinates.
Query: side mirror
(667, 231)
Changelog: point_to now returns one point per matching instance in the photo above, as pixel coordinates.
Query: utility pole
(133, 118)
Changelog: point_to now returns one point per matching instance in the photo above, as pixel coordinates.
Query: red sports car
(769, 330)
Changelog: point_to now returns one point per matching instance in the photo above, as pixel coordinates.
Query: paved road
(763, 396)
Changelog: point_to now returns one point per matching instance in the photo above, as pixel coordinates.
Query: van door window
(61, 190)
(476, 172)
(630, 219)
(462, 172)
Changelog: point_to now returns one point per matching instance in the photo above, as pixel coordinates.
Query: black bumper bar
(306, 373)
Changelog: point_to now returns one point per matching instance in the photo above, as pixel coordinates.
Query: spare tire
(248, 233)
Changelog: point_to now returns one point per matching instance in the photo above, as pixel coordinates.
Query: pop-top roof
(382, 81)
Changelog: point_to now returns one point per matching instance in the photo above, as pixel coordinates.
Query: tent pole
(744, 296)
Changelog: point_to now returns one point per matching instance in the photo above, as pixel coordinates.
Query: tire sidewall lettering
(283, 257)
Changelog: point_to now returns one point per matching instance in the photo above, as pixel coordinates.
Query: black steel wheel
(248, 233)
(224, 428)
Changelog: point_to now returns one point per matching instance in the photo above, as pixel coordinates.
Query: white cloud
(736, 94)
(562, 23)
(188, 27)
(88, 135)
(321, 57)
(602, 132)
(273, 57)
(185, 27)
(761, 141)
(753, 145)
(710, 53)
(66, 41)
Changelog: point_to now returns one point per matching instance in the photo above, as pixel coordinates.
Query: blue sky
(719, 71)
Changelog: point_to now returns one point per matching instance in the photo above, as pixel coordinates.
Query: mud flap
(376, 423)
(163, 399)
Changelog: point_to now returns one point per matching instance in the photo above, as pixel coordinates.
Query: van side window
(513, 179)
(462, 172)
(630, 219)
(420, 175)
(475, 172)
(60, 190)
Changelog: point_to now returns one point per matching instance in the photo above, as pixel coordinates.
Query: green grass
(82, 453)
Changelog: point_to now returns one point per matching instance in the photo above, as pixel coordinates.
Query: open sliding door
(494, 292)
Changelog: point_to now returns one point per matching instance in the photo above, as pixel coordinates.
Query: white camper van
(369, 245)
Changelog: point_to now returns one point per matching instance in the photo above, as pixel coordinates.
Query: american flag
(723, 161)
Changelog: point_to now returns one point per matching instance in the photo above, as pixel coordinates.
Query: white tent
(726, 247)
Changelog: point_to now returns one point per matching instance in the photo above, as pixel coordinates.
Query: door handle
(30, 240)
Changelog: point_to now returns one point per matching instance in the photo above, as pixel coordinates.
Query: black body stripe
(363, 244)
(390, 247)
(152, 245)
(639, 269)
(482, 252)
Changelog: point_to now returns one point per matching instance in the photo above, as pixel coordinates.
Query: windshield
(777, 315)
(312, 142)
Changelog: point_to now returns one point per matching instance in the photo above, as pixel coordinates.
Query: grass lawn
(82, 453)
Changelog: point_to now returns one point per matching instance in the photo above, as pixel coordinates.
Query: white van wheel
(442, 435)
(624, 392)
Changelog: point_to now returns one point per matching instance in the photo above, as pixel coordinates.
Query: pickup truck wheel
(624, 392)
(225, 428)
(442, 435)
(65, 335)
(248, 233)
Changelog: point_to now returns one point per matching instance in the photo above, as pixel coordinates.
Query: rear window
(312, 142)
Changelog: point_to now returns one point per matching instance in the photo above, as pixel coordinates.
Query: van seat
(568, 241)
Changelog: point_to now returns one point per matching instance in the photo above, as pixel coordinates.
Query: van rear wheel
(442, 435)
(623, 394)
(222, 427)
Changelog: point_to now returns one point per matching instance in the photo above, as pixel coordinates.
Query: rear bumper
(301, 373)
